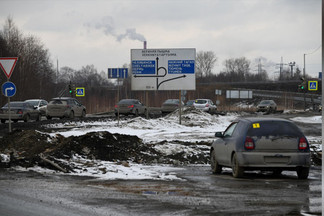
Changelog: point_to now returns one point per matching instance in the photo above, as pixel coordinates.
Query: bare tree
(205, 62)
(237, 69)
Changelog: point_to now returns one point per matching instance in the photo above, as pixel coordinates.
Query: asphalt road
(199, 193)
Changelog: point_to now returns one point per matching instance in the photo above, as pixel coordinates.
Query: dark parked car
(267, 106)
(130, 107)
(65, 107)
(39, 104)
(171, 105)
(19, 110)
(261, 144)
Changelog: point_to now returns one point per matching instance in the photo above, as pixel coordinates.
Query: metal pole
(180, 105)
(9, 110)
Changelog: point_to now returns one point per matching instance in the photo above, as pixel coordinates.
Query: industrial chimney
(144, 44)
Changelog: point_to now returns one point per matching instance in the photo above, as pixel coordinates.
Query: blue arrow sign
(117, 73)
(8, 89)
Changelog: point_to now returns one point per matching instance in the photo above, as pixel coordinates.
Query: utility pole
(292, 64)
(281, 67)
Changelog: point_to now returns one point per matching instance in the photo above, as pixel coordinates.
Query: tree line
(35, 75)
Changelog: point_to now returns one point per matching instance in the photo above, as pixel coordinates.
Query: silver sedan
(261, 144)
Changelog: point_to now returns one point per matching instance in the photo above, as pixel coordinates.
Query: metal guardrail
(309, 98)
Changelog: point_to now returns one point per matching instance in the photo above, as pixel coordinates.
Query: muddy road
(199, 193)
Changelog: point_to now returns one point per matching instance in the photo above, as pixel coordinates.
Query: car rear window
(200, 101)
(58, 102)
(273, 128)
(15, 104)
(127, 102)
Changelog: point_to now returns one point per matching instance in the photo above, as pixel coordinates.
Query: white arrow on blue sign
(117, 73)
(8, 89)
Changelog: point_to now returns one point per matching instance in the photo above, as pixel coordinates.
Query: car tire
(303, 172)
(277, 172)
(83, 114)
(216, 168)
(38, 118)
(27, 118)
(136, 113)
(71, 115)
(237, 170)
(49, 117)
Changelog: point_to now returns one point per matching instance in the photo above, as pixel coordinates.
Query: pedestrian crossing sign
(79, 92)
(312, 85)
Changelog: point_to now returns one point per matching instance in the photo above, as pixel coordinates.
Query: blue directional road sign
(8, 89)
(312, 85)
(117, 73)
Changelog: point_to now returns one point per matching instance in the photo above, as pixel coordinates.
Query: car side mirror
(219, 134)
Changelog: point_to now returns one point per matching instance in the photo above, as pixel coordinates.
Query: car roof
(62, 98)
(34, 100)
(257, 120)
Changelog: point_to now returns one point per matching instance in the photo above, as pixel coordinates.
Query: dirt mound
(29, 148)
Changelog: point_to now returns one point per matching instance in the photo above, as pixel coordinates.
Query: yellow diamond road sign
(79, 92)
(312, 85)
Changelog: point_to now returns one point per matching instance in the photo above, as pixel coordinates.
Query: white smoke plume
(107, 25)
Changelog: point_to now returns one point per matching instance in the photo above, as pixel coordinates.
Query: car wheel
(136, 112)
(302, 172)
(277, 172)
(71, 115)
(83, 114)
(237, 170)
(49, 117)
(216, 168)
(38, 117)
(27, 118)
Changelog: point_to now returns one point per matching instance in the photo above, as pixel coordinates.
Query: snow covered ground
(195, 127)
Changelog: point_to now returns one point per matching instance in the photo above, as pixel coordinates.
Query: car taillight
(302, 145)
(207, 105)
(116, 106)
(249, 143)
(19, 112)
(131, 106)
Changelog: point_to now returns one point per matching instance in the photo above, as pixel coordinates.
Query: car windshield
(265, 102)
(33, 102)
(15, 104)
(273, 129)
(201, 101)
(172, 101)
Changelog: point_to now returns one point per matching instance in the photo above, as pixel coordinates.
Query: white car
(205, 105)
(39, 104)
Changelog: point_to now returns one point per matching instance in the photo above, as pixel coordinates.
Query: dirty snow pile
(153, 146)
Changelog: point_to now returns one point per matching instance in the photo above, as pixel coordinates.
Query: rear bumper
(12, 116)
(274, 160)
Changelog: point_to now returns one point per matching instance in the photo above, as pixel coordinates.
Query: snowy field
(195, 127)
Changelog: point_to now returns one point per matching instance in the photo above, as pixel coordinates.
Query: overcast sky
(85, 32)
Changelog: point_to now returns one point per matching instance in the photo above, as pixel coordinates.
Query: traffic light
(70, 89)
(303, 85)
